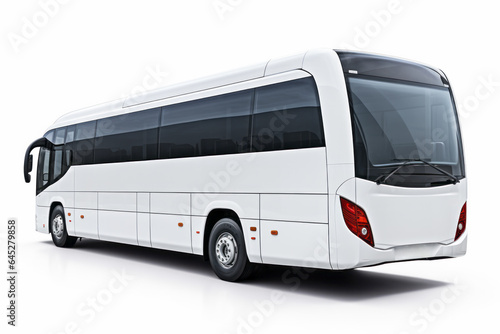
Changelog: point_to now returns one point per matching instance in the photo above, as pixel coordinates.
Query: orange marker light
(197, 232)
(253, 228)
(180, 224)
(274, 232)
(253, 238)
(82, 216)
(69, 214)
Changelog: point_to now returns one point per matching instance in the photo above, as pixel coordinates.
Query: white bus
(327, 159)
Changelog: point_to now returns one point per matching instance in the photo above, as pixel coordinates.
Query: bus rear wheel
(227, 252)
(58, 229)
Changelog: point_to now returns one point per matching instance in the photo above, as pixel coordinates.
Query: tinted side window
(83, 143)
(43, 169)
(57, 155)
(57, 163)
(70, 138)
(129, 137)
(211, 126)
(287, 116)
(59, 136)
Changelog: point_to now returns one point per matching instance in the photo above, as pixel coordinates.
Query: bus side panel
(252, 239)
(118, 226)
(42, 219)
(86, 215)
(294, 226)
(170, 221)
(143, 229)
(172, 232)
(86, 223)
(143, 219)
(197, 233)
(295, 244)
(301, 208)
(219, 182)
(289, 172)
(294, 229)
(117, 218)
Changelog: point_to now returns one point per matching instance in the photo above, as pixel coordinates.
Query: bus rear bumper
(369, 256)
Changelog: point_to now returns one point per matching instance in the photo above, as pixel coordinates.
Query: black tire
(227, 252)
(58, 231)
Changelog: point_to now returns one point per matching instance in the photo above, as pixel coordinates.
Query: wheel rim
(226, 250)
(58, 226)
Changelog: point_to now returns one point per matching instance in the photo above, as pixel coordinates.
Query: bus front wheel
(227, 252)
(58, 229)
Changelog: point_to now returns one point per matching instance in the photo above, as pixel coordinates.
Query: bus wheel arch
(213, 217)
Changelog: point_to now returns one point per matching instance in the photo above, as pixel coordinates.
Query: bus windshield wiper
(384, 178)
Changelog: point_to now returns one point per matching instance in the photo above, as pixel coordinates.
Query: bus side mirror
(28, 158)
(30, 163)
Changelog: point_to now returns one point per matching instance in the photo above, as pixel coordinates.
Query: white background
(88, 52)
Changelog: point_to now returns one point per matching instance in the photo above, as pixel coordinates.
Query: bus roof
(219, 80)
(133, 103)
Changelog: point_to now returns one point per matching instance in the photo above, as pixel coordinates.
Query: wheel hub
(226, 250)
(58, 226)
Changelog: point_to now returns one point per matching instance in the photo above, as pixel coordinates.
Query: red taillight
(461, 222)
(356, 220)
